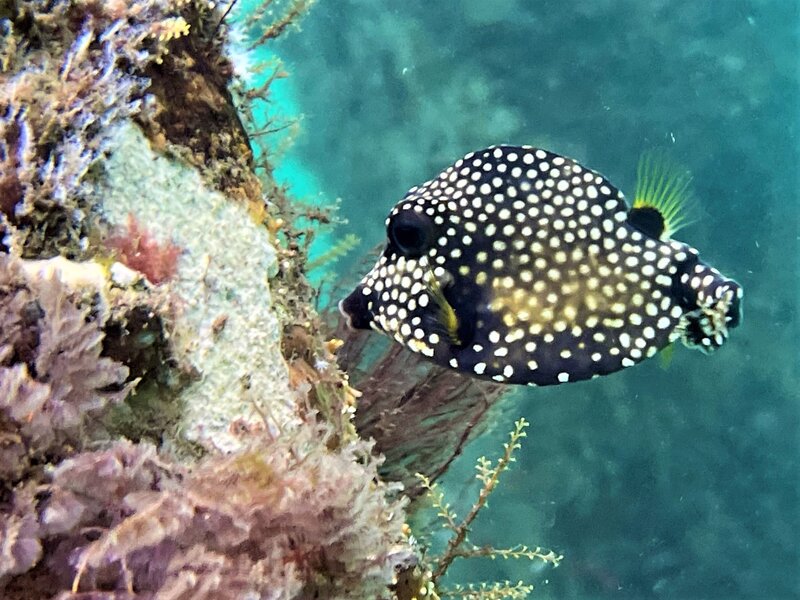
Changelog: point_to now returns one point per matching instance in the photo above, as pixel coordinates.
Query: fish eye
(411, 233)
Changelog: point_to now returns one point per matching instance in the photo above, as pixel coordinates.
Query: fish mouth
(354, 310)
(348, 321)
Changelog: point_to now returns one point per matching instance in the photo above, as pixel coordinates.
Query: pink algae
(136, 248)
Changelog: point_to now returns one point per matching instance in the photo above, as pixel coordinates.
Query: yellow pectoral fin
(446, 315)
(666, 355)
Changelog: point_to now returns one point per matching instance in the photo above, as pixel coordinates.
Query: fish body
(521, 266)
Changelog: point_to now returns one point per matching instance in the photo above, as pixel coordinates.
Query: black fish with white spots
(522, 266)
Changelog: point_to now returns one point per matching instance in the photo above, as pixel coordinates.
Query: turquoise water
(676, 481)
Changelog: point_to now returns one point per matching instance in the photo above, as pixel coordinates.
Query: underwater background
(675, 479)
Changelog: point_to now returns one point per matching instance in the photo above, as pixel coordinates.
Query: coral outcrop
(221, 277)
(154, 441)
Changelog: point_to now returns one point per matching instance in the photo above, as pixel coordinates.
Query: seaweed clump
(274, 521)
(420, 415)
(68, 70)
(54, 381)
(284, 516)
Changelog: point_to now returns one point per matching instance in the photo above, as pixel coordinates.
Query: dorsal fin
(664, 201)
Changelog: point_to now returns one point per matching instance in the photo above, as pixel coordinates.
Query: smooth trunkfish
(521, 266)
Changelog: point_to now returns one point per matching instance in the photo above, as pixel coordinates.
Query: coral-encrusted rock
(221, 278)
(279, 506)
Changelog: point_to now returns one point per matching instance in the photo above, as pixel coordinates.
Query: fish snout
(355, 309)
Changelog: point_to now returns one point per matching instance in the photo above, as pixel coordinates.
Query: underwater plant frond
(517, 552)
(137, 248)
(335, 252)
(458, 546)
(275, 28)
(225, 14)
(488, 475)
(436, 496)
(489, 591)
(666, 186)
(420, 415)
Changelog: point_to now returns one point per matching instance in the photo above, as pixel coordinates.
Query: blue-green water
(677, 482)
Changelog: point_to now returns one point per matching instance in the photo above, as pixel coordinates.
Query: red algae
(136, 248)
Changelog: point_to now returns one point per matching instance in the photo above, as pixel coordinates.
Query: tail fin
(713, 307)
